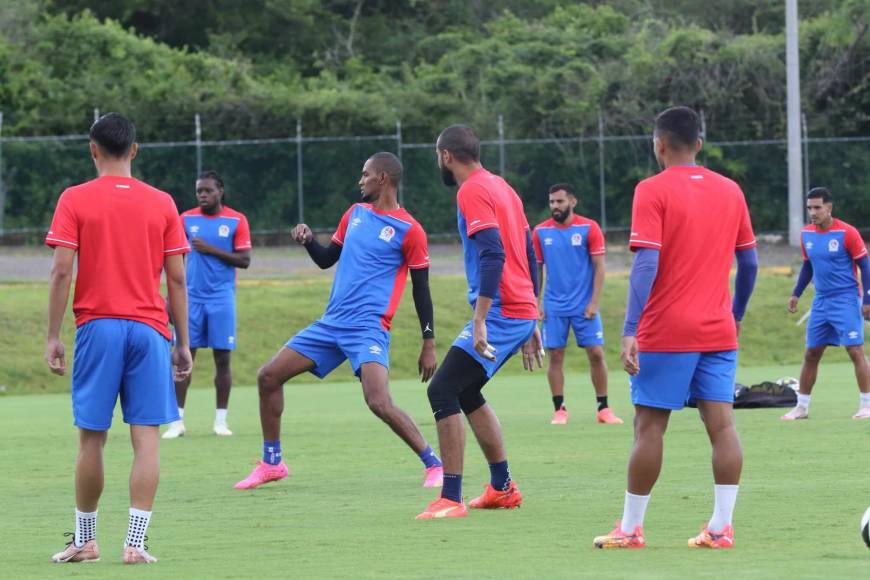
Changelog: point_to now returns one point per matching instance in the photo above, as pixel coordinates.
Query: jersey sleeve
(536, 243)
(596, 240)
(415, 248)
(174, 237)
(854, 244)
(745, 235)
(804, 248)
(477, 207)
(646, 219)
(341, 230)
(64, 230)
(242, 238)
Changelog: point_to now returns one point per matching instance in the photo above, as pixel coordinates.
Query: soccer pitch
(348, 508)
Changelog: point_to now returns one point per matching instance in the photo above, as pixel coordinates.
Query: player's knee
(222, 361)
(470, 401)
(266, 379)
(813, 355)
(596, 356)
(556, 356)
(856, 353)
(380, 406)
(442, 399)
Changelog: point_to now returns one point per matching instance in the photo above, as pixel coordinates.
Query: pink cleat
(863, 413)
(715, 540)
(134, 555)
(796, 414)
(89, 552)
(263, 473)
(606, 415)
(433, 476)
(560, 417)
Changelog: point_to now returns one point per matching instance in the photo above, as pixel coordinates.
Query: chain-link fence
(279, 182)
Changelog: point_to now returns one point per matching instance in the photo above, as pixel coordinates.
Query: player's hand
(533, 351)
(302, 234)
(737, 327)
(201, 246)
(428, 361)
(182, 363)
(481, 345)
(591, 310)
(541, 314)
(629, 355)
(865, 310)
(792, 304)
(55, 356)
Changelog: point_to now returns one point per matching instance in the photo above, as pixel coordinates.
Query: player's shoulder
(547, 223)
(809, 228)
(404, 215)
(193, 212)
(839, 224)
(229, 212)
(582, 220)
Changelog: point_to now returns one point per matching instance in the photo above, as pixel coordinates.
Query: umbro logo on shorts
(853, 334)
(465, 334)
(375, 349)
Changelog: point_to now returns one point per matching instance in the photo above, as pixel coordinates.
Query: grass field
(347, 510)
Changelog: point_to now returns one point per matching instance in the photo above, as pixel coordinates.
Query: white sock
(86, 527)
(865, 400)
(138, 526)
(220, 416)
(633, 512)
(804, 401)
(181, 412)
(723, 509)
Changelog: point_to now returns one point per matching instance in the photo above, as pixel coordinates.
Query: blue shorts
(587, 331)
(212, 325)
(836, 321)
(329, 346)
(121, 357)
(507, 335)
(670, 380)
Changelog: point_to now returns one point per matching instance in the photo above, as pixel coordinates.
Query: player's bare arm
(58, 296)
(241, 259)
(597, 284)
(176, 285)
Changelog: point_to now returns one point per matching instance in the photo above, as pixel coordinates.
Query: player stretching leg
(832, 251)
(125, 233)
(502, 288)
(573, 253)
(378, 242)
(221, 241)
(687, 225)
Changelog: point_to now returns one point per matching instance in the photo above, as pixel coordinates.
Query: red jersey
(122, 229)
(697, 219)
(487, 201)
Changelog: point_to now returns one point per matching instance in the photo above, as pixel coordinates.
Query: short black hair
(821, 192)
(114, 134)
(210, 174)
(564, 187)
(389, 164)
(679, 126)
(462, 142)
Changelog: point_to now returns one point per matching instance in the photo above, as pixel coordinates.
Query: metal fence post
(601, 193)
(806, 139)
(501, 156)
(703, 126)
(198, 145)
(96, 114)
(299, 196)
(2, 184)
(399, 154)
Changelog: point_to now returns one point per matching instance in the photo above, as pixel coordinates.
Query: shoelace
(68, 534)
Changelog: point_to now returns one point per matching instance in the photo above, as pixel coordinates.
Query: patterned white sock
(633, 512)
(220, 417)
(723, 509)
(138, 526)
(86, 527)
(804, 401)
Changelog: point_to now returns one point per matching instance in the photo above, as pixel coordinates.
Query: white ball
(865, 527)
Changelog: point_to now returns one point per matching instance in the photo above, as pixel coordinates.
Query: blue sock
(499, 475)
(272, 452)
(428, 457)
(452, 487)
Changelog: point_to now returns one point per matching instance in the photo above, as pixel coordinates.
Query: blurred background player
(572, 249)
(221, 241)
(832, 251)
(375, 245)
(680, 336)
(502, 290)
(125, 233)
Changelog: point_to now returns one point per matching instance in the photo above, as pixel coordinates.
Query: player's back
(124, 228)
(697, 219)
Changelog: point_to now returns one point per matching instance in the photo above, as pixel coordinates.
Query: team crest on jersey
(548, 241)
(576, 240)
(833, 246)
(224, 231)
(387, 233)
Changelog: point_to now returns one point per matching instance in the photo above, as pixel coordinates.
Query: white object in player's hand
(488, 352)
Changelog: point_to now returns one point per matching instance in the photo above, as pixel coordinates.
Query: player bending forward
(687, 224)
(377, 243)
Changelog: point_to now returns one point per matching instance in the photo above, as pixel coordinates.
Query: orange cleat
(560, 417)
(714, 540)
(619, 539)
(493, 499)
(443, 508)
(606, 415)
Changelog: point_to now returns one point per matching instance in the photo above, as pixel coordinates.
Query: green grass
(347, 510)
(271, 311)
